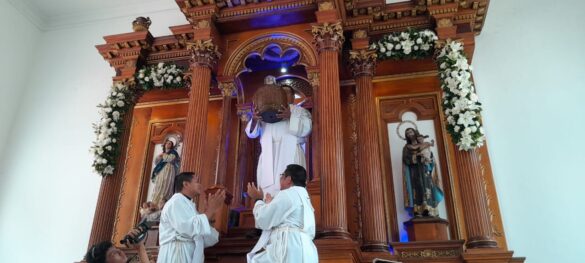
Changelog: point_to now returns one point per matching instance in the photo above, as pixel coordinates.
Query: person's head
(294, 175)
(153, 207)
(168, 145)
(411, 135)
(105, 252)
(421, 138)
(290, 95)
(162, 203)
(187, 183)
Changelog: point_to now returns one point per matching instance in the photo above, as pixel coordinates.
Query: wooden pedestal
(427, 229)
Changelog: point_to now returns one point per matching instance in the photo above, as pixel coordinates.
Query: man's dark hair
(181, 178)
(297, 173)
(97, 253)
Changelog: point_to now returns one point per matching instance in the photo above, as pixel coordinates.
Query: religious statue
(422, 193)
(282, 127)
(163, 174)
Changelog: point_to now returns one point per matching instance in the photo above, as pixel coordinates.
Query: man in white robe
(281, 142)
(183, 231)
(289, 217)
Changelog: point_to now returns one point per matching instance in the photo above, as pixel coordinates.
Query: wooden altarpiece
(352, 99)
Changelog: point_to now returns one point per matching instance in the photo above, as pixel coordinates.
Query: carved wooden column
(125, 56)
(362, 64)
(245, 114)
(228, 90)
(204, 56)
(328, 38)
(313, 76)
(474, 200)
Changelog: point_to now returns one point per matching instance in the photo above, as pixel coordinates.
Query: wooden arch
(285, 40)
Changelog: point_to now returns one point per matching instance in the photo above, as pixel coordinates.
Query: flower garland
(460, 102)
(409, 44)
(162, 75)
(106, 148)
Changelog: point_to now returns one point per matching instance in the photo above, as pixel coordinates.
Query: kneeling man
(289, 217)
(183, 231)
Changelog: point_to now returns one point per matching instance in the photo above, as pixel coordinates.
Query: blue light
(283, 70)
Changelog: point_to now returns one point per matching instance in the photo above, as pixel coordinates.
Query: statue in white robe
(282, 144)
(184, 232)
(290, 221)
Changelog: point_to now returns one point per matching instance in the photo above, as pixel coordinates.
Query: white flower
(112, 124)
(114, 140)
(382, 49)
(397, 47)
(109, 148)
(425, 46)
(120, 103)
(473, 97)
(456, 128)
(466, 119)
(146, 79)
(160, 65)
(419, 40)
(108, 110)
(481, 130)
(109, 169)
(178, 78)
(389, 46)
(473, 129)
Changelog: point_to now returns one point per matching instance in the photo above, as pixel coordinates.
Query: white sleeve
(211, 239)
(300, 122)
(273, 214)
(185, 224)
(256, 132)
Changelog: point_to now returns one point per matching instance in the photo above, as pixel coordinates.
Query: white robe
(290, 221)
(281, 145)
(183, 232)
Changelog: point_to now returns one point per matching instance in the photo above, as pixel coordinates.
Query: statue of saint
(163, 174)
(422, 193)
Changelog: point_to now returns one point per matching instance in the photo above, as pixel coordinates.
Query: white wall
(530, 74)
(51, 191)
(18, 46)
(528, 68)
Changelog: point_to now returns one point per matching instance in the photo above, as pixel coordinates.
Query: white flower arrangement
(106, 148)
(460, 102)
(409, 44)
(108, 129)
(162, 75)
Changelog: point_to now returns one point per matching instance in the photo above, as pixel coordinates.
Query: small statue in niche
(163, 174)
(422, 193)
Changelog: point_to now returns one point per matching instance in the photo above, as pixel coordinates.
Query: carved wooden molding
(362, 62)
(204, 53)
(328, 36)
(228, 89)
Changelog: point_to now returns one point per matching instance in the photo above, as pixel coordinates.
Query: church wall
(19, 43)
(529, 67)
(49, 198)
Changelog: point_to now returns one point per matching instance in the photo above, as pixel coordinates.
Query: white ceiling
(55, 14)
